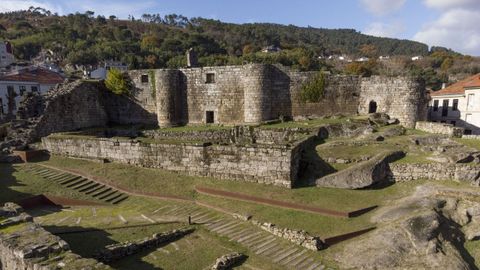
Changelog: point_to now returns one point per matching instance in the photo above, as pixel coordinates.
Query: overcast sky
(449, 23)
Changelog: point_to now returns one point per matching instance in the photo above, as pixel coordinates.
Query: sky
(449, 23)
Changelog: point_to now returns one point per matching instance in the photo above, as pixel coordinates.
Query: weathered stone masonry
(256, 93)
(276, 165)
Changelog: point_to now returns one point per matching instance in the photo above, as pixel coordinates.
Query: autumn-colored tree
(248, 49)
(369, 50)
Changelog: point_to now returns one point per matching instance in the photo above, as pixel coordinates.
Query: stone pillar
(257, 104)
(167, 82)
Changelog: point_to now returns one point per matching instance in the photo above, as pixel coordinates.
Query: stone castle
(255, 93)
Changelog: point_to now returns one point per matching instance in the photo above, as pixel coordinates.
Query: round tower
(257, 106)
(167, 82)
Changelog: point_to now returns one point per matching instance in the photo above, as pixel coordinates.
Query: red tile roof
(38, 75)
(459, 87)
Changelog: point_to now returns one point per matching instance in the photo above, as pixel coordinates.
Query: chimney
(444, 85)
(192, 60)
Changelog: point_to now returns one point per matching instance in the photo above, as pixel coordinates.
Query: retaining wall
(434, 171)
(439, 128)
(273, 164)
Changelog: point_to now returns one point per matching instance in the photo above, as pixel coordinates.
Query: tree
(313, 90)
(118, 82)
(369, 50)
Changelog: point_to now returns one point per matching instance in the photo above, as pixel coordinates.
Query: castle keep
(252, 94)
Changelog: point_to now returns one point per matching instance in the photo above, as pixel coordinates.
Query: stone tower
(168, 93)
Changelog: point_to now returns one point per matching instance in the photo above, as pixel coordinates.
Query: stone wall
(400, 97)
(27, 246)
(119, 251)
(71, 107)
(341, 95)
(439, 128)
(300, 238)
(256, 93)
(435, 171)
(236, 134)
(273, 164)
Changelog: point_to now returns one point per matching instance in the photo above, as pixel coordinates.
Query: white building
(458, 104)
(362, 59)
(101, 73)
(6, 54)
(14, 86)
(416, 58)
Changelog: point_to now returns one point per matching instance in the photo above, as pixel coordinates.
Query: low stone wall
(237, 134)
(273, 164)
(260, 135)
(300, 238)
(27, 246)
(472, 137)
(439, 128)
(435, 171)
(119, 251)
(226, 262)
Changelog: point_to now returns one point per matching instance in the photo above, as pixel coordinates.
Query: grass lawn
(469, 142)
(168, 183)
(188, 128)
(163, 182)
(308, 123)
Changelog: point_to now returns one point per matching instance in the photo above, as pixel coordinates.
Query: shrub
(312, 91)
(118, 82)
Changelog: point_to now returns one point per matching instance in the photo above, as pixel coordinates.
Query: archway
(372, 107)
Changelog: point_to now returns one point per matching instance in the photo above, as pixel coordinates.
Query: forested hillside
(155, 41)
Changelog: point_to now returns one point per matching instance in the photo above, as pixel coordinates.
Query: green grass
(307, 123)
(168, 183)
(153, 180)
(469, 142)
(79, 135)
(188, 128)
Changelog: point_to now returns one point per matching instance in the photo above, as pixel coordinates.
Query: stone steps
(80, 184)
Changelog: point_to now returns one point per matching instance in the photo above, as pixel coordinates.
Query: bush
(118, 82)
(313, 90)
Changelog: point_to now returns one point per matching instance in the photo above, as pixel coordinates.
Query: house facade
(15, 85)
(6, 54)
(101, 72)
(458, 105)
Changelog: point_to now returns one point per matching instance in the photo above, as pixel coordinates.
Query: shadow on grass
(7, 184)
(87, 242)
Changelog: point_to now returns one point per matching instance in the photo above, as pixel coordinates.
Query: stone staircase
(81, 184)
(258, 241)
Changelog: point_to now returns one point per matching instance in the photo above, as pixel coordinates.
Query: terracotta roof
(38, 75)
(459, 87)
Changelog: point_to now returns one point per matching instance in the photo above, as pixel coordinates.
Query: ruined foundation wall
(440, 128)
(26, 245)
(403, 98)
(435, 171)
(74, 106)
(262, 164)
